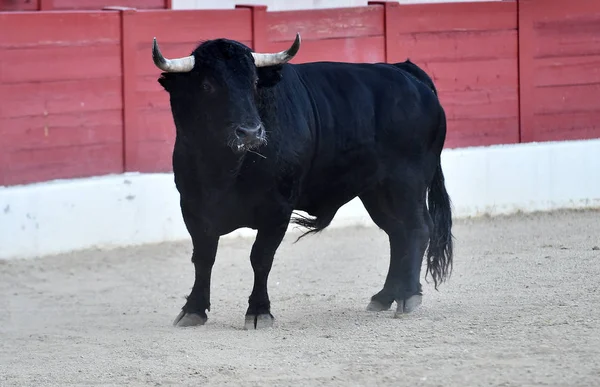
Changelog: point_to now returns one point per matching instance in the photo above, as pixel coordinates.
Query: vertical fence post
(388, 24)
(45, 5)
(389, 27)
(168, 4)
(259, 26)
(130, 114)
(128, 85)
(525, 10)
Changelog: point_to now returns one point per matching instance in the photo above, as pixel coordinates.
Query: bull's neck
(216, 167)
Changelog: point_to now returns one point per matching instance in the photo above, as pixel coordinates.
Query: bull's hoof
(260, 321)
(408, 305)
(376, 306)
(189, 320)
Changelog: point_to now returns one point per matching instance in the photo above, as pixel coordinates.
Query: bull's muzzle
(248, 138)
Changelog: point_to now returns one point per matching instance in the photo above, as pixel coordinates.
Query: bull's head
(214, 92)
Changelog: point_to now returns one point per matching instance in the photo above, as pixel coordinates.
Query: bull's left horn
(179, 65)
(278, 58)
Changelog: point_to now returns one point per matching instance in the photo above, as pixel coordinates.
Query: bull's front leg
(203, 257)
(263, 251)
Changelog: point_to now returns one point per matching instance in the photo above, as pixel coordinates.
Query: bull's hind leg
(399, 209)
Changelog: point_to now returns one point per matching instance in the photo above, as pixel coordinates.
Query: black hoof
(377, 306)
(189, 320)
(260, 321)
(408, 305)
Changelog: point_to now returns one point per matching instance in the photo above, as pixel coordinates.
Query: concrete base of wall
(133, 209)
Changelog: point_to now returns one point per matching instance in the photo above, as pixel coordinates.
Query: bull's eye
(207, 87)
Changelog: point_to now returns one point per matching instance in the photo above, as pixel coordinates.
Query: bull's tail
(439, 252)
(314, 224)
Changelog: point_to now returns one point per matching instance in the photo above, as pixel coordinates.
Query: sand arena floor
(521, 309)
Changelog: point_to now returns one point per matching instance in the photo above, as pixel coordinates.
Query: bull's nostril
(241, 133)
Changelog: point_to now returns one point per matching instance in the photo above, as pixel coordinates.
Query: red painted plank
(558, 9)
(481, 132)
(191, 27)
(569, 36)
(62, 130)
(92, 61)
(152, 99)
(47, 98)
(317, 24)
(18, 5)
(59, 29)
(24, 166)
(157, 124)
(563, 126)
(99, 4)
(485, 16)
(156, 156)
(363, 49)
(455, 46)
(563, 71)
(476, 104)
(576, 98)
(473, 75)
(33, 5)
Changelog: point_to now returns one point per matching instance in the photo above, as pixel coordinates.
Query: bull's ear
(165, 81)
(268, 76)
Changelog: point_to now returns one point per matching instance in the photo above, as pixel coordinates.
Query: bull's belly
(331, 192)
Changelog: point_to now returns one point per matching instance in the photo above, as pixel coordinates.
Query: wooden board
(360, 49)
(60, 96)
(470, 50)
(99, 4)
(317, 24)
(560, 69)
(19, 5)
(354, 34)
(35, 5)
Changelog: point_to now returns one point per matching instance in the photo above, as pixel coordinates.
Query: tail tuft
(313, 224)
(439, 252)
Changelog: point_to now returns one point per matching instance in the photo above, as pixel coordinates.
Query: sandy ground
(521, 309)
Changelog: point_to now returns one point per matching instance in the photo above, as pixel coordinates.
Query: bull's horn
(278, 58)
(179, 65)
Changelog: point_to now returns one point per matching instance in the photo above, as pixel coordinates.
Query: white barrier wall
(132, 209)
(287, 5)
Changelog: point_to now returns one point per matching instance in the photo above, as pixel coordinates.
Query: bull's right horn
(179, 65)
(278, 58)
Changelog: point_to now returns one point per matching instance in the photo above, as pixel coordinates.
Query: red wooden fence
(560, 69)
(60, 95)
(79, 94)
(49, 5)
(471, 52)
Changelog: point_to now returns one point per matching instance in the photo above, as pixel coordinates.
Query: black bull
(258, 138)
